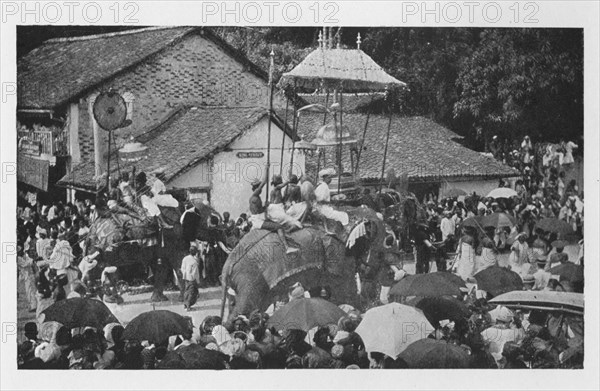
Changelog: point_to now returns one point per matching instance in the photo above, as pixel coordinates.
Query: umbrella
(569, 302)
(350, 70)
(429, 285)
(474, 221)
(502, 192)
(568, 271)
(555, 225)
(156, 326)
(79, 312)
(390, 328)
(440, 308)
(304, 314)
(498, 220)
(497, 280)
(454, 193)
(430, 353)
(197, 357)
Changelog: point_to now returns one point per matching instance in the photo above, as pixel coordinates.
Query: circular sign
(110, 110)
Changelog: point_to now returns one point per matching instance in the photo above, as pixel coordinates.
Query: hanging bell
(329, 136)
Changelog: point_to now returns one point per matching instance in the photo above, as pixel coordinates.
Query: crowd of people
(56, 262)
(491, 337)
(539, 193)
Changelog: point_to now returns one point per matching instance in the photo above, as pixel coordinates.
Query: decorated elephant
(129, 239)
(260, 271)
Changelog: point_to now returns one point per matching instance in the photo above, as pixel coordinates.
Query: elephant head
(259, 270)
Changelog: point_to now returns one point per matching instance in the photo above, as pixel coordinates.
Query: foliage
(524, 81)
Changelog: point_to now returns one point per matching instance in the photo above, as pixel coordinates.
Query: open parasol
(428, 285)
(502, 192)
(390, 328)
(157, 326)
(568, 302)
(440, 308)
(568, 271)
(79, 312)
(497, 280)
(431, 353)
(555, 225)
(351, 70)
(304, 314)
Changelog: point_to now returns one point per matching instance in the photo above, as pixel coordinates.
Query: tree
(524, 81)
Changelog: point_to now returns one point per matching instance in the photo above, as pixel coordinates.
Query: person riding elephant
(258, 269)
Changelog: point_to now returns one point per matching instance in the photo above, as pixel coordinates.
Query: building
(208, 153)
(157, 71)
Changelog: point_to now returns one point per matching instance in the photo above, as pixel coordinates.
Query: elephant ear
(265, 251)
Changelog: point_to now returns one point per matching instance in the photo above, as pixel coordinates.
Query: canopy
(349, 70)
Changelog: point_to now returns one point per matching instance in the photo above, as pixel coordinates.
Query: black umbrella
(497, 280)
(568, 271)
(551, 224)
(429, 285)
(431, 353)
(157, 326)
(198, 357)
(440, 308)
(79, 312)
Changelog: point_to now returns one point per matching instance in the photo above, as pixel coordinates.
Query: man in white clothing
(191, 277)
(447, 226)
(322, 192)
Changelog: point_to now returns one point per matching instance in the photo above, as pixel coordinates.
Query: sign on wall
(250, 155)
(33, 172)
(29, 147)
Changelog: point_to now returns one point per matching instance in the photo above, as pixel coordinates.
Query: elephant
(129, 239)
(260, 271)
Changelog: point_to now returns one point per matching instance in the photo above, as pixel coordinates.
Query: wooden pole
(295, 122)
(326, 106)
(387, 139)
(287, 104)
(340, 144)
(362, 143)
(272, 65)
(108, 165)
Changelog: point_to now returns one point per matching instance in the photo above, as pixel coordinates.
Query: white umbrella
(502, 192)
(390, 328)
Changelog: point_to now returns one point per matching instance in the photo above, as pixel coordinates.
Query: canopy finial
(358, 41)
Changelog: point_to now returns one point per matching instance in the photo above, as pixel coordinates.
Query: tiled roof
(418, 147)
(64, 68)
(183, 140)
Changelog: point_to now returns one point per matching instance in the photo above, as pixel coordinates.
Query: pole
(108, 165)
(362, 143)
(294, 133)
(294, 129)
(326, 106)
(272, 65)
(340, 144)
(387, 139)
(287, 104)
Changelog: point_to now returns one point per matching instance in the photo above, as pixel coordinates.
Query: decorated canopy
(349, 70)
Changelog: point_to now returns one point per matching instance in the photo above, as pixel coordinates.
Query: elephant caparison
(259, 270)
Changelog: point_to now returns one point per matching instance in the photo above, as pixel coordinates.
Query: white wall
(197, 177)
(229, 176)
(481, 187)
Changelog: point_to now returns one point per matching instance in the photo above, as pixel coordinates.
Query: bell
(304, 145)
(133, 151)
(328, 135)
